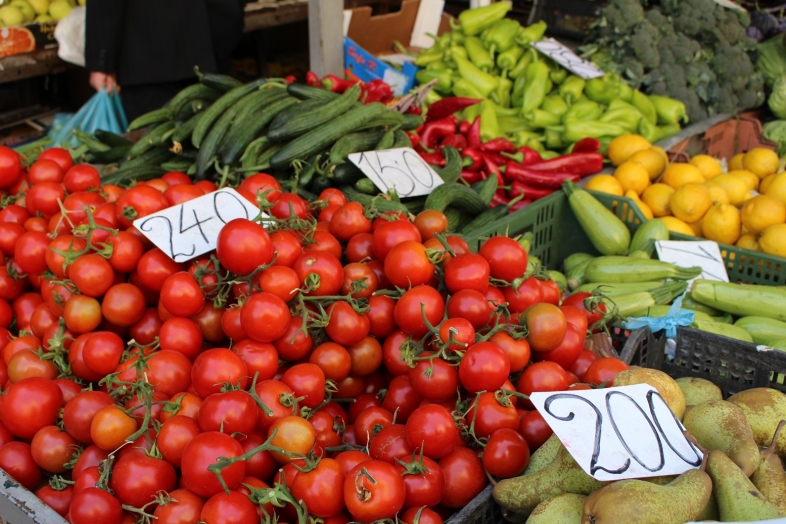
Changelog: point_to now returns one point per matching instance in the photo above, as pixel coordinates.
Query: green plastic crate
(558, 234)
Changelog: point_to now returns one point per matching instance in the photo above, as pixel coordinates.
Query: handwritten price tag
(703, 254)
(190, 229)
(401, 169)
(619, 433)
(567, 58)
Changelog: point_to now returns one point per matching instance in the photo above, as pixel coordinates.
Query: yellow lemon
(653, 161)
(690, 202)
(765, 183)
(751, 180)
(736, 188)
(696, 227)
(777, 187)
(761, 162)
(748, 241)
(718, 194)
(762, 211)
(657, 198)
(605, 184)
(773, 240)
(677, 175)
(708, 166)
(735, 162)
(632, 177)
(722, 224)
(675, 225)
(625, 146)
(645, 209)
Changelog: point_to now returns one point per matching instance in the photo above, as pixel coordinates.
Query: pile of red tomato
(337, 363)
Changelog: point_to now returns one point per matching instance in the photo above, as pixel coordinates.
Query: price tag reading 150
(400, 169)
(191, 229)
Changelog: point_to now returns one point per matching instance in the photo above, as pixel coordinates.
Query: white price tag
(401, 169)
(190, 229)
(704, 254)
(567, 58)
(620, 432)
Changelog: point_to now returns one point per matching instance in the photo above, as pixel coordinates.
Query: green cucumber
(453, 166)
(135, 173)
(628, 270)
(185, 129)
(365, 185)
(112, 139)
(252, 151)
(153, 117)
(299, 107)
(235, 142)
(154, 138)
(461, 197)
(210, 145)
(385, 120)
(387, 140)
(217, 81)
(153, 157)
(219, 108)
(188, 95)
(487, 217)
(354, 143)
(741, 299)
(306, 92)
(454, 218)
(606, 232)
(402, 139)
(488, 188)
(411, 122)
(303, 122)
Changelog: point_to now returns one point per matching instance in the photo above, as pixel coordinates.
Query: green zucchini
(628, 270)
(741, 299)
(219, 108)
(575, 259)
(631, 303)
(303, 122)
(689, 303)
(402, 139)
(663, 310)
(651, 230)
(762, 329)
(452, 170)
(606, 232)
(576, 274)
(615, 288)
(306, 92)
(325, 135)
(461, 197)
(151, 140)
(724, 330)
(153, 117)
(189, 94)
(240, 136)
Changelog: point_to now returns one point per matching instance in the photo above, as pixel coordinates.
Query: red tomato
(173, 437)
(137, 478)
(484, 367)
(401, 398)
(273, 394)
(407, 265)
(261, 358)
(223, 508)
(431, 428)
(57, 499)
(264, 317)
(182, 335)
(546, 326)
(45, 170)
(333, 359)
(30, 252)
(287, 248)
(320, 271)
(420, 516)
(296, 342)
(154, 267)
(534, 429)
(575, 316)
(600, 371)
(293, 435)
(506, 454)
(468, 271)
(58, 155)
(81, 177)
(349, 220)
(412, 306)
(201, 452)
(567, 351)
(17, 460)
(181, 295)
(10, 166)
(29, 405)
(290, 205)
(215, 367)
(488, 413)
(430, 222)
(370, 420)
(102, 352)
(582, 363)
(374, 490)
(507, 259)
(360, 247)
(390, 234)
(243, 246)
(424, 483)
(517, 350)
(321, 488)
(234, 411)
(391, 444)
(123, 305)
(93, 505)
(184, 507)
(588, 305)
(307, 382)
(464, 477)
(433, 379)
(542, 376)
(345, 326)
(280, 281)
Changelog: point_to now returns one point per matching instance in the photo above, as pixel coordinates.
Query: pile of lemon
(745, 207)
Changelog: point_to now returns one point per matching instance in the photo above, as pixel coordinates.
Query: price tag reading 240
(400, 169)
(191, 229)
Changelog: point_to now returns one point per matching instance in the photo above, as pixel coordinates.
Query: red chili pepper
(475, 158)
(290, 79)
(582, 164)
(336, 84)
(415, 110)
(470, 177)
(377, 91)
(499, 200)
(530, 156)
(414, 138)
(313, 80)
(457, 141)
(435, 159)
(493, 168)
(588, 144)
(524, 202)
(435, 131)
(464, 127)
(529, 192)
(497, 158)
(473, 136)
(447, 106)
(519, 173)
(498, 145)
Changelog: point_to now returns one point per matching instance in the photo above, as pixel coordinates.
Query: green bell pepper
(647, 108)
(473, 21)
(558, 75)
(464, 88)
(536, 86)
(601, 90)
(483, 82)
(555, 104)
(508, 59)
(512, 124)
(539, 119)
(533, 33)
(501, 35)
(526, 59)
(575, 130)
(670, 111)
(478, 54)
(582, 111)
(489, 125)
(571, 88)
(424, 76)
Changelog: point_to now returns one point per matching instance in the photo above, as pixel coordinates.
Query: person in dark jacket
(150, 47)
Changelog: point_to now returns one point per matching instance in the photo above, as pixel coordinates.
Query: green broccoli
(623, 15)
(693, 17)
(664, 49)
(656, 18)
(632, 71)
(727, 101)
(644, 43)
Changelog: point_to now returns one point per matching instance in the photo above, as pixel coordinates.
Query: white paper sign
(401, 169)
(190, 229)
(567, 58)
(704, 254)
(620, 432)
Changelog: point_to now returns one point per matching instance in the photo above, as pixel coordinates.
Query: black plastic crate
(480, 510)
(731, 364)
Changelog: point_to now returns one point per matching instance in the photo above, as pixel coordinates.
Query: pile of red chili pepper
(374, 91)
(520, 170)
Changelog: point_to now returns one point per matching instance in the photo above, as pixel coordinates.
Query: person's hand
(101, 81)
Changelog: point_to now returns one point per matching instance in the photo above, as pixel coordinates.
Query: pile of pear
(742, 478)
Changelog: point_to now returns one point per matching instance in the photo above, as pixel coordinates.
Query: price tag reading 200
(191, 229)
(400, 169)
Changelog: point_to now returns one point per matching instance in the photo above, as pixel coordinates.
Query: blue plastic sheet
(103, 111)
(675, 317)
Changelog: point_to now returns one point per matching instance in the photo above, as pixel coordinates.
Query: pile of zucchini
(224, 130)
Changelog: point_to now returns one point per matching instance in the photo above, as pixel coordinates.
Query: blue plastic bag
(103, 111)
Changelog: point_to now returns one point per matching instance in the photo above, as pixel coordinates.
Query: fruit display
(742, 205)
(17, 12)
(529, 98)
(693, 50)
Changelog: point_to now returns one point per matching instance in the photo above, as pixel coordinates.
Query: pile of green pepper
(528, 97)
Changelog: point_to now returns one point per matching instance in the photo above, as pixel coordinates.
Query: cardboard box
(19, 39)
(370, 37)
